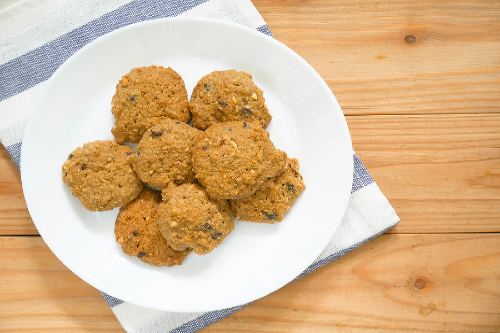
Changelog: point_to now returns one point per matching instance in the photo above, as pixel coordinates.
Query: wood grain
(449, 63)
(14, 216)
(441, 172)
(39, 294)
(397, 283)
(420, 83)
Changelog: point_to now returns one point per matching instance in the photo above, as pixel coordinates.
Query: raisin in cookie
(270, 203)
(227, 95)
(100, 175)
(164, 154)
(188, 218)
(137, 232)
(233, 159)
(144, 97)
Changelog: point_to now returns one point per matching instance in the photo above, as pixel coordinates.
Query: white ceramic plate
(255, 259)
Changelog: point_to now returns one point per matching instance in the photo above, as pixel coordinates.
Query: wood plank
(441, 172)
(39, 294)
(400, 56)
(14, 215)
(397, 283)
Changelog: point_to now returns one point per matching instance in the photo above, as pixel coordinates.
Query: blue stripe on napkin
(265, 30)
(112, 301)
(361, 177)
(336, 255)
(15, 153)
(39, 64)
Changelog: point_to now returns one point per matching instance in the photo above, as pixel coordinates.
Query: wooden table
(419, 82)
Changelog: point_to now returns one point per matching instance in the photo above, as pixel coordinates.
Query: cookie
(164, 154)
(100, 176)
(144, 97)
(225, 96)
(233, 159)
(137, 232)
(188, 218)
(270, 203)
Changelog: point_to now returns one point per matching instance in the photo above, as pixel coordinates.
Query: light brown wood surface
(419, 82)
(397, 283)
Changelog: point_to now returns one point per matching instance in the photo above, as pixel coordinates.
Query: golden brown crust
(100, 176)
(188, 218)
(233, 159)
(226, 96)
(270, 203)
(164, 154)
(137, 232)
(144, 97)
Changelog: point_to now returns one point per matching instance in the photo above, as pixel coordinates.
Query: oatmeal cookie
(144, 97)
(233, 159)
(270, 203)
(188, 218)
(137, 232)
(100, 176)
(164, 154)
(225, 96)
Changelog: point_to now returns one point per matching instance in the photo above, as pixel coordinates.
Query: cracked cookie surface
(144, 97)
(188, 218)
(100, 175)
(226, 96)
(233, 159)
(138, 234)
(271, 202)
(163, 154)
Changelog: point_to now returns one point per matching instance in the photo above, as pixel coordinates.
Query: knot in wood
(410, 39)
(420, 283)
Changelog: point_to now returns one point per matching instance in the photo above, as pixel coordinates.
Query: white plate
(255, 259)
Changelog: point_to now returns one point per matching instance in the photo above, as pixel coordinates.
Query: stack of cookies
(197, 165)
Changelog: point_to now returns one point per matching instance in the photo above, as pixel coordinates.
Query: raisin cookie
(100, 175)
(270, 203)
(233, 159)
(164, 154)
(137, 232)
(225, 96)
(144, 97)
(188, 218)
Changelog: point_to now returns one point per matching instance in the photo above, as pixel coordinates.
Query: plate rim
(170, 20)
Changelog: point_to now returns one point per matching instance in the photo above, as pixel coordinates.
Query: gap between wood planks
(414, 114)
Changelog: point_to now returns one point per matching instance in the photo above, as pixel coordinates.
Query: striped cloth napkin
(39, 35)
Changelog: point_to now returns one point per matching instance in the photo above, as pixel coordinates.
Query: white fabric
(30, 24)
(23, 30)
